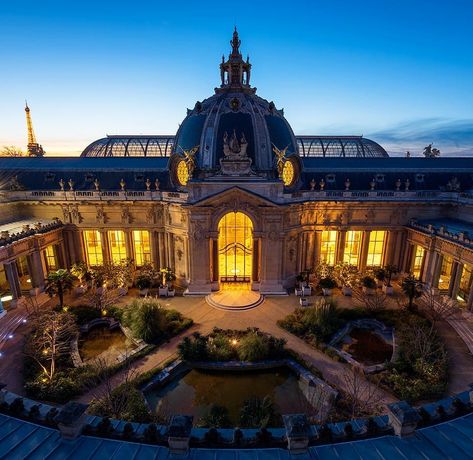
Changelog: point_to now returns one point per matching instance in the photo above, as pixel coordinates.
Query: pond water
(102, 342)
(367, 347)
(195, 392)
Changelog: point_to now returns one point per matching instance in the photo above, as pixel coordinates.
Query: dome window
(288, 173)
(182, 172)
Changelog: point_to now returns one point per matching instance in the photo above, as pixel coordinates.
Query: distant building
(236, 197)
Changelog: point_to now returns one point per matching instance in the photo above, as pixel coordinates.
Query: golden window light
(288, 173)
(182, 172)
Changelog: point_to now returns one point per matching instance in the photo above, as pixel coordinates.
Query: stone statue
(280, 158)
(234, 150)
(430, 152)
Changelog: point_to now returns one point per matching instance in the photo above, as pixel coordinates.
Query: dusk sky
(399, 72)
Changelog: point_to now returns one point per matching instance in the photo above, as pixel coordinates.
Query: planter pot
(368, 291)
(163, 291)
(171, 292)
(34, 292)
(79, 290)
(347, 290)
(326, 291)
(144, 292)
(123, 291)
(306, 290)
(388, 290)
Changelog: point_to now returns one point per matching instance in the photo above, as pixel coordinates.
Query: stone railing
(297, 434)
(7, 237)
(93, 195)
(462, 238)
(376, 195)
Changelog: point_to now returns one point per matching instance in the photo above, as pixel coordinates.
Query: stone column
(162, 258)
(11, 273)
(455, 279)
(271, 263)
(130, 254)
(36, 270)
(310, 250)
(199, 266)
(470, 298)
(154, 243)
(390, 247)
(317, 241)
(364, 249)
(341, 240)
(105, 246)
(429, 267)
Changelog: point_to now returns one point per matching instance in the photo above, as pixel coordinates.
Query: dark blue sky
(398, 71)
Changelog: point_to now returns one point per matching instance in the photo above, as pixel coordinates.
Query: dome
(235, 115)
(130, 146)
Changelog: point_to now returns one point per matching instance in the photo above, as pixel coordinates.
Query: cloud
(452, 137)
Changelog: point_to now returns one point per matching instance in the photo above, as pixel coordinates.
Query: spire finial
(235, 42)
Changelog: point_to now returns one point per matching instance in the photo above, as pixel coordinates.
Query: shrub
(253, 347)
(327, 283)
(368, 282)
(216, 417)
(150, 322)
(257, 412)
(193, 348)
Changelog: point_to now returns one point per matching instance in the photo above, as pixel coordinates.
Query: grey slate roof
(449, 440)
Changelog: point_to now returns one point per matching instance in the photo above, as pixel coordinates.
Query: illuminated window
(445, 273)
(328, 245)
(23, 273)
(142, 247)
(376, 248)
(288, 173)
(235, 247)
(182, 172)
(93, 247)
(5, 292)
(465, 283)
(117, 244)
(351, 252)
(50, 258)
(418, 261)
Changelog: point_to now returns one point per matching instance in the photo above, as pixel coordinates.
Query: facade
(236, 197)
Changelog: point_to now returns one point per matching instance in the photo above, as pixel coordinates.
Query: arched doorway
(235, 248)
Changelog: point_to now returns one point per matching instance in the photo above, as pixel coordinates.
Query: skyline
(400, 75)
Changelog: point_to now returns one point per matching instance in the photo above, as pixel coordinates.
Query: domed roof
(235, 114)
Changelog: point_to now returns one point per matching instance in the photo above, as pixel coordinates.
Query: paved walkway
(264, 317)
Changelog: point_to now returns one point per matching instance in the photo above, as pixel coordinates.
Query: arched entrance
(235, 248)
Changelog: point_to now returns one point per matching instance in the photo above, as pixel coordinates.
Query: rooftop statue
(430, 152)
(234, 150)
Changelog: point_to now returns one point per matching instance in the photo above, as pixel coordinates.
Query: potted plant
(412, 288)
(167, 277)
(327, 284)
(346, 275)
(58, 283)
(143, 283)
(368, 284)
(82, 273)
(98, 279)
(380, 275)
(124, 275)
(390, 271)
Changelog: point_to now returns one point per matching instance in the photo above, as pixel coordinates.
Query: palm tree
(412, 287)
(58, 283)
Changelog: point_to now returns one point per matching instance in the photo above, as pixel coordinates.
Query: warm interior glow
(235, 247)
(418, 260)
(351, 252)
(182, 172)
(288, 173)
(445, 273)
(328, 246)
(50, 258)
(93, 247)
(465, 283)
(376, 248)
(142, 247)
(116, 240)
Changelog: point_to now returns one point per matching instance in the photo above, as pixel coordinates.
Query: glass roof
(339, 146)
(130, 146)
(308, 146)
